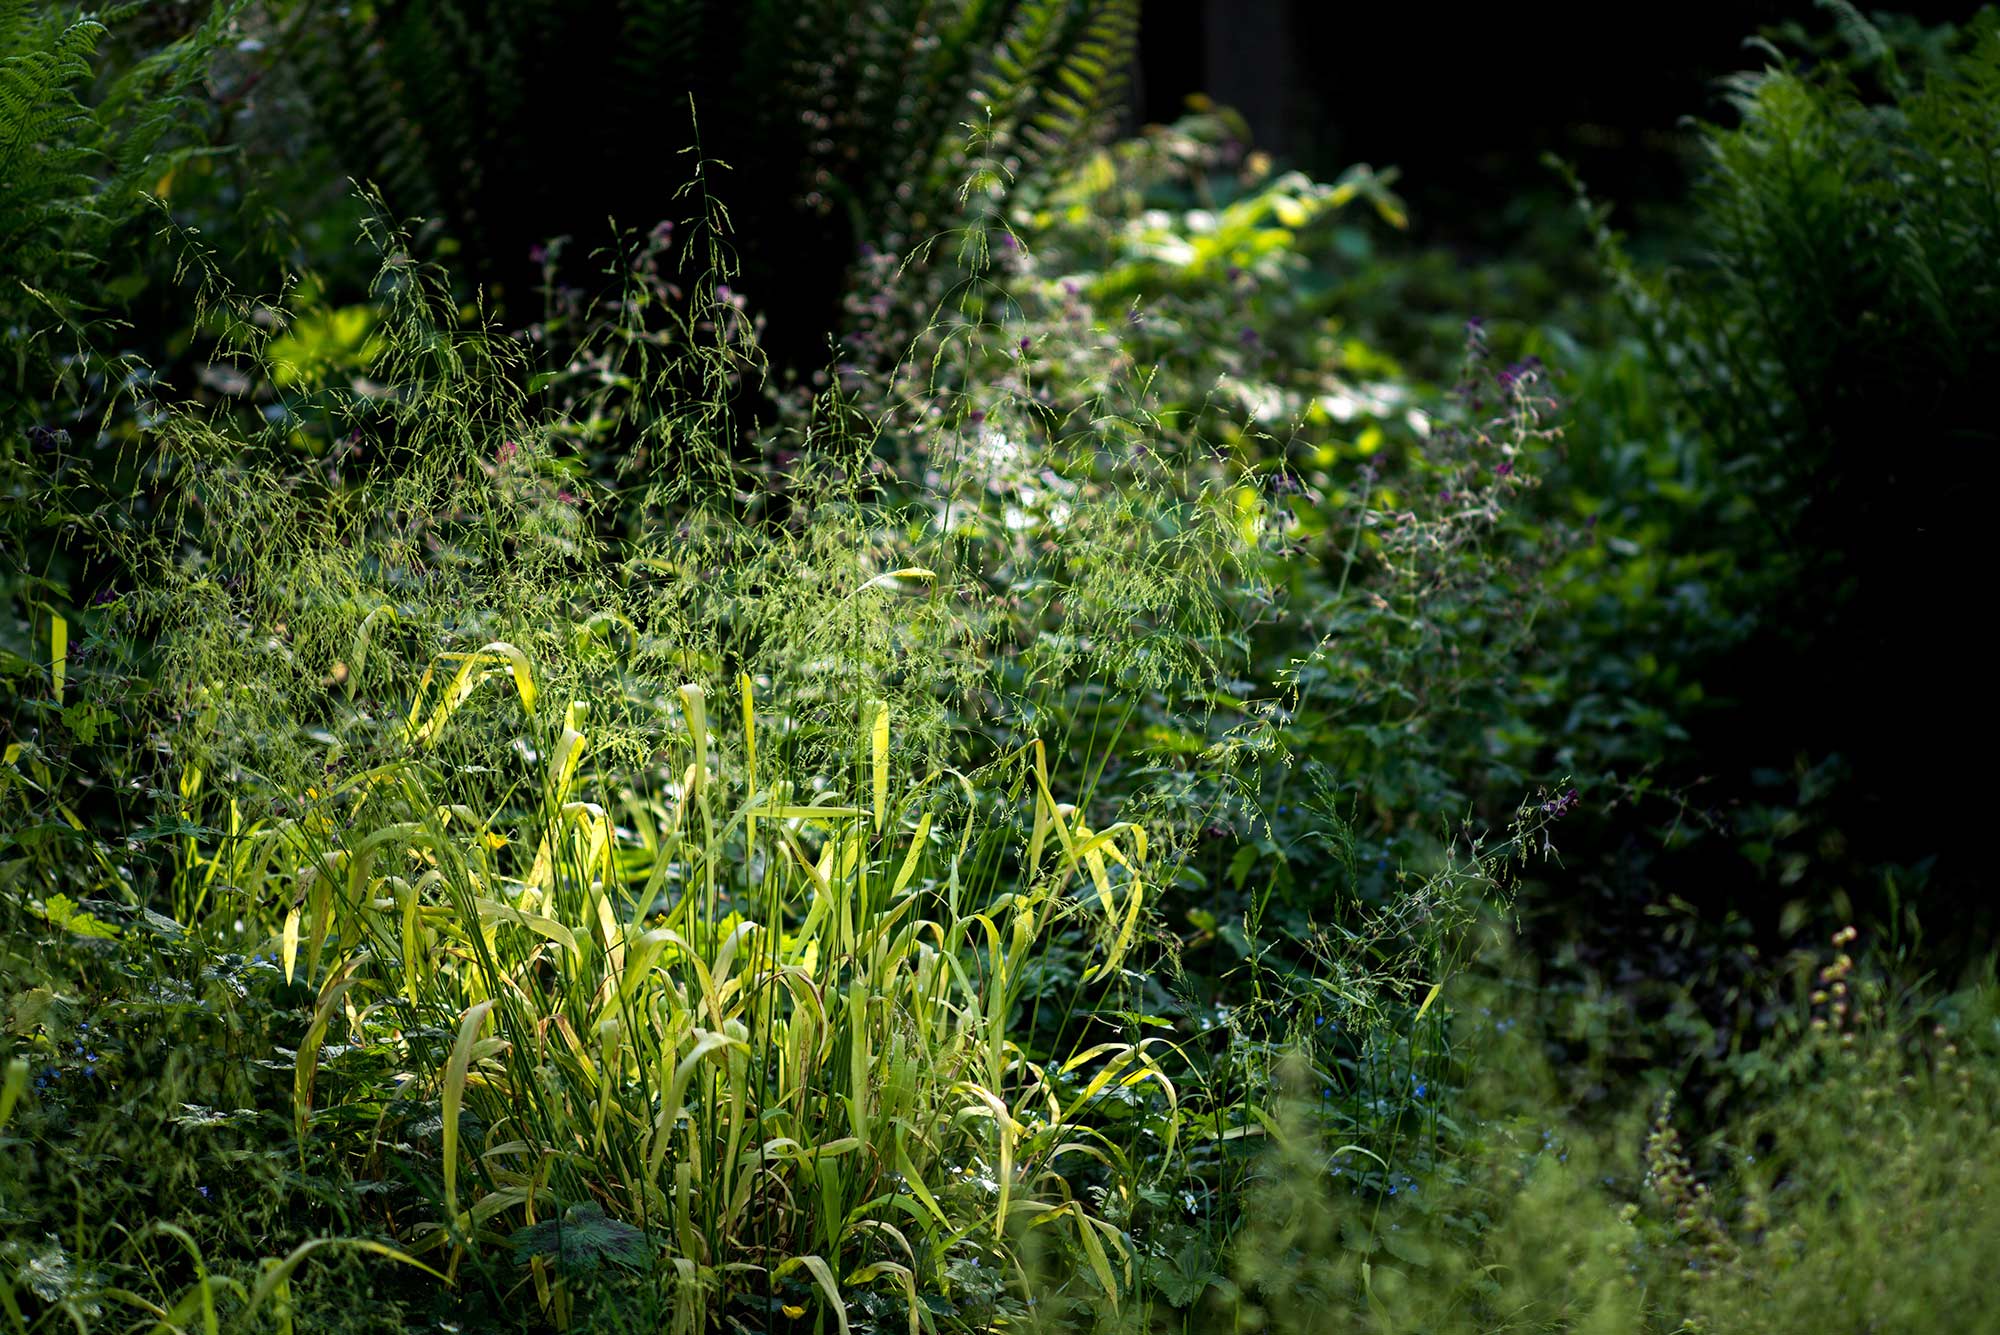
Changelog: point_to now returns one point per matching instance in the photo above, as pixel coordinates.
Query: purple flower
(1503, 468)
(1249, 338)
(538, 253)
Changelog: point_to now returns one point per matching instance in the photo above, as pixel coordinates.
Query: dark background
(1466, 99)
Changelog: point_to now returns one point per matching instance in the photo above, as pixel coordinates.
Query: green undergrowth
(566, 826)
(689, 887)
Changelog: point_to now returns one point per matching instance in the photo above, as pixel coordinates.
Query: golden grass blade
(749, 758)
(411, 903)
(827, 816)
(909, 867)
(1093, 1250)
(569, 753)
(1429, 997)
(694, 703)
(493, 912)
(598, 621)
(1122, 1056)
(517, 663)
(888, 579)
(306, 1064)
(58, 654)
(915, 1181)
(454, 1097)
(821, 1276)
(707, 1042)
(989, 1104)
(320, 903)
(860, 1062)
(288, 942)
(359, 654)
(1128, 929)
(879, 736)
(903, 1277)
(472, 670)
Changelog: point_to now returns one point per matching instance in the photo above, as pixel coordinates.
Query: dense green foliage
(1831, 347)
(1214, 769)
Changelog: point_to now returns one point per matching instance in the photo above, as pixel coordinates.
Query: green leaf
(1240, 865)
(1405, 1248)
(62, 911)
(582, 1238)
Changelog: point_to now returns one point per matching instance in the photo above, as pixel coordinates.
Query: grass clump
(670, 873)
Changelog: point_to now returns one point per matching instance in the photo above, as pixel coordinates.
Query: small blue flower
(203, 1191)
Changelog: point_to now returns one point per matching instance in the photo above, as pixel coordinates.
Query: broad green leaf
(581, 1238)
